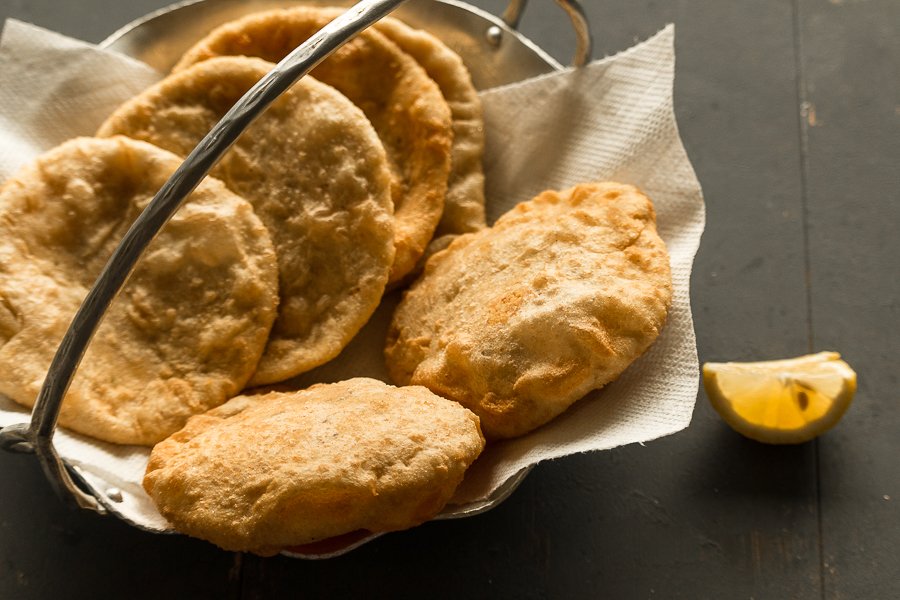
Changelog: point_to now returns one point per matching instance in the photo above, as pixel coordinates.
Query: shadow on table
(742, 466)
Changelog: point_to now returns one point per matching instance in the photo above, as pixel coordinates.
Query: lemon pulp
(781, 401)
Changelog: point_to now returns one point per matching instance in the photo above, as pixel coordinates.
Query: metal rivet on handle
(494, 35)
(114, 494)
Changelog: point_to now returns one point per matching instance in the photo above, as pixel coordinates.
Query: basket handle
(513, 14)
(37, 437)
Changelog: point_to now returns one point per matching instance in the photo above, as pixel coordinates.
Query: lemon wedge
(781, 401)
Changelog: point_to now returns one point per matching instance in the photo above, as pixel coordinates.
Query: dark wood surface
(790, 112)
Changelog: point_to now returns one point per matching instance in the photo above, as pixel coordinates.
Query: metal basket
(495, 52)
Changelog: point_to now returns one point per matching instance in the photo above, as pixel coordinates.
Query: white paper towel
(612, 119)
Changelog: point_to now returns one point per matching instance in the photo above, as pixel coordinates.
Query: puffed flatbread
(316, 174)
(190, 325)
(519, 321)
(464, 203)
(261, 473)
(404, 105)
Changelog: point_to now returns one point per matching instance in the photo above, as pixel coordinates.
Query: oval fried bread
(261, 473)
(404, 105)
(317, 176)
(464, 202)
(519, 321)
(188, 328)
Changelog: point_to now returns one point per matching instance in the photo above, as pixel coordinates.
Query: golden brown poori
(519, 321)
(317, 176)
(261, 473)
(189, 327)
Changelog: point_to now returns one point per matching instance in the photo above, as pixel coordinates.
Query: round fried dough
(264, 472)
(188, 328)
(464, 202)
(519, 321)
(404, 105)
(316, 175)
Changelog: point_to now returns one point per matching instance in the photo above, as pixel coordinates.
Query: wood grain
(851, 125)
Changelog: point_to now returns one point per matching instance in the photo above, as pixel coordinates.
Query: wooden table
(790, 112)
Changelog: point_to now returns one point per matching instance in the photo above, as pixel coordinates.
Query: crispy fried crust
(264, 472)
(464, 203)
(186, 332)
(404, 105)
(519, 321)
(316, 174)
